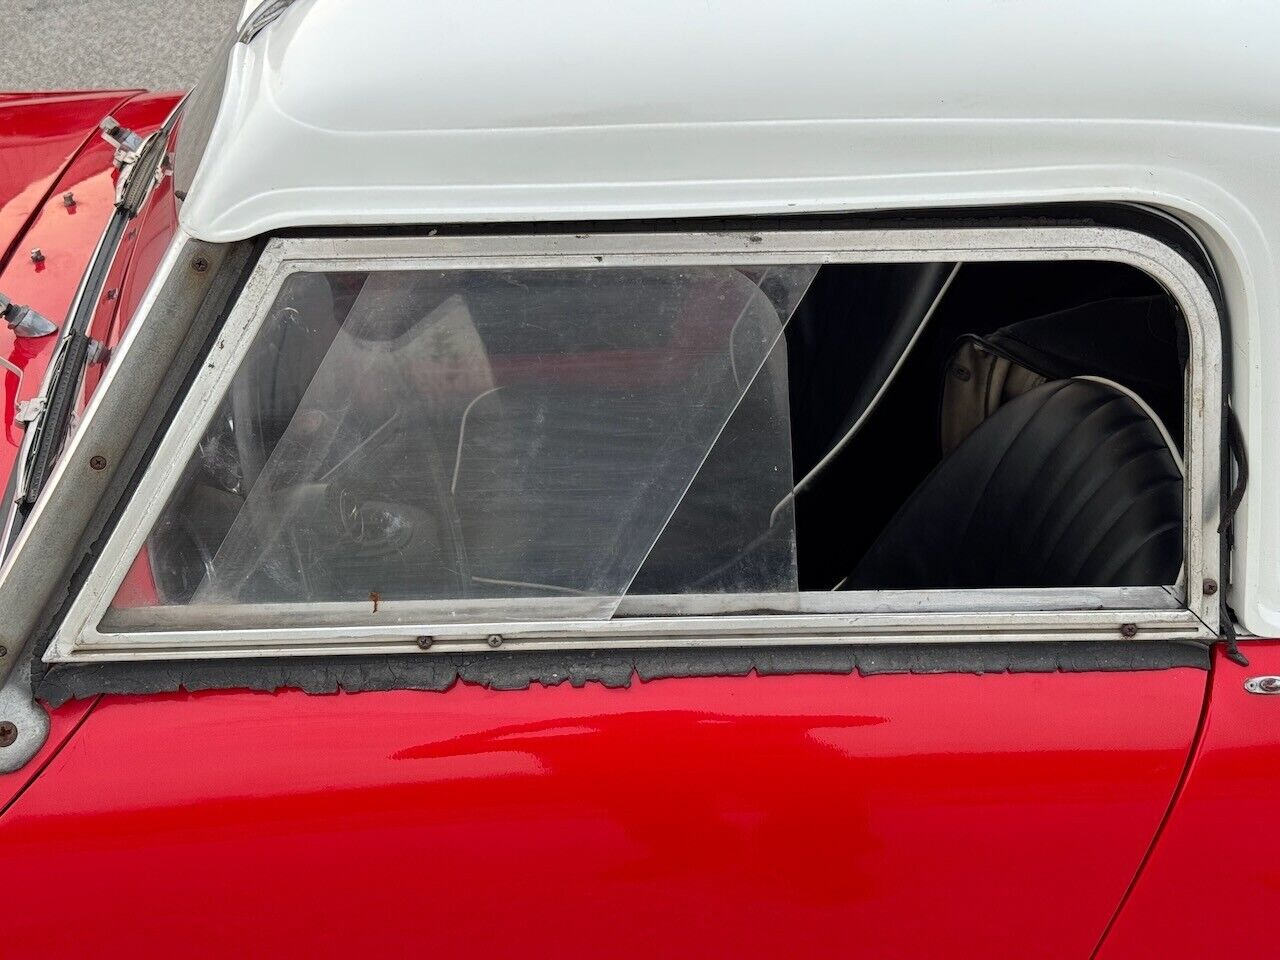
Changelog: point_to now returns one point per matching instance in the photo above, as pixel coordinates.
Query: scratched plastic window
(507, 443)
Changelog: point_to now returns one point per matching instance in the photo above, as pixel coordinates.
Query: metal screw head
(495, 640)
(97, 463)
(1210, 586)
(8, 733)
(37, 255)
(425, 642)
(199, 264)
(68, 199)
(1129, 630)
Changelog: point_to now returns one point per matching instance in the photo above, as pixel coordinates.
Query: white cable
(1164, 433)
(857, 424)
(462, 432)
(550, 588)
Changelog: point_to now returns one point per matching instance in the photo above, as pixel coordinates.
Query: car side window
(448, 443)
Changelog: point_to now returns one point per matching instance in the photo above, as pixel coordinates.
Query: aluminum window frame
(1181, 612)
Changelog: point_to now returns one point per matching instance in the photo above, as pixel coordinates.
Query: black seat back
(1070, 484)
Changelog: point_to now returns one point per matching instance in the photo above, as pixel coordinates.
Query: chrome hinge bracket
(24, 724)
(129, 148)
(26, 411)
(97, 353)
(127, 143)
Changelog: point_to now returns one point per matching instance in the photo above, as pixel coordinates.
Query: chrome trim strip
(1022, 619)
(653, 633)
(467, 613)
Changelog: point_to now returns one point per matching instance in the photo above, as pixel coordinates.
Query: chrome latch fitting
(1267, 686)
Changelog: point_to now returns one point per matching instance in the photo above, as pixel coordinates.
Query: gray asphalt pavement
(77, 44)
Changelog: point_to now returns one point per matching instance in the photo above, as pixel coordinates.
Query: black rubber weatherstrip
(615, 668)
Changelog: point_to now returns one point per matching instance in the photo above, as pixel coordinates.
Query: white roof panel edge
(393, 111)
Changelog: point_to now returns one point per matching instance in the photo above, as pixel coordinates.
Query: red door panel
(62, 724)
(66, 237)
(887, 816)
(39, 134)
(1212, 885)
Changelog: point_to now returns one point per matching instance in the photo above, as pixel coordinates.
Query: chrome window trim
(1156, 613)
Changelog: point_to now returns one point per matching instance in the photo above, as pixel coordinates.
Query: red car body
(1117, 814)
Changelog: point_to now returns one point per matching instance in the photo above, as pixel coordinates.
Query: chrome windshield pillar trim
(52, 542)
(992, 615)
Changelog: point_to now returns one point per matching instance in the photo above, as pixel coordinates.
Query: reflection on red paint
(1214, 857)
(21, 350)
(66, 242)
(39, 134)
(138, 589)
(62, 726)
(815, 816)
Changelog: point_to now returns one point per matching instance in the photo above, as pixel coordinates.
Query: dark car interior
(1071, 484)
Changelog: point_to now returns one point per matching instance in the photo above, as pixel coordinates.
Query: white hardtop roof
(425, 112)
(405, 111)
